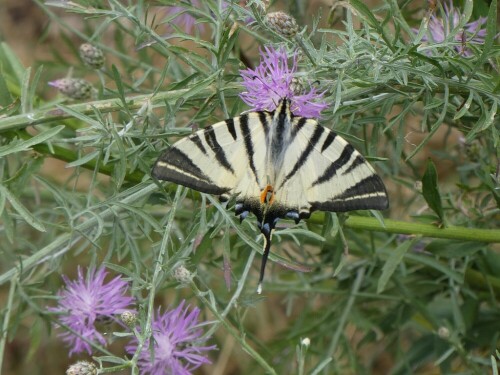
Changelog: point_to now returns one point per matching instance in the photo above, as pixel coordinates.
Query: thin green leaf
(437, 265)
(465, 107)
(34, 86)
(85, 159)
(119, 85)
(392, 262)
(491, 33)
(9, 57)
(5, 97)
(21, 210)
(430, 190)
(25, 101)
(20, 146)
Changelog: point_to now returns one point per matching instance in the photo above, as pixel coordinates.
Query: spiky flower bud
(82, 368)
(182, 274)
(92, 56)
(129, 318)
(282, 24)
(74, 88)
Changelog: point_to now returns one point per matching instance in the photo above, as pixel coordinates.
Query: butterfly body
(277, 165)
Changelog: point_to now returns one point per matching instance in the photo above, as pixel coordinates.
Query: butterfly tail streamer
(267, 233)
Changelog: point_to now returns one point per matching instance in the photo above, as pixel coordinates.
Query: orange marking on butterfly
(267, 195)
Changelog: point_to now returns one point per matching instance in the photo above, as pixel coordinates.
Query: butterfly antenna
(267, 233)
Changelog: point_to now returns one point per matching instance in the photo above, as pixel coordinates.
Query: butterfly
(277, 165)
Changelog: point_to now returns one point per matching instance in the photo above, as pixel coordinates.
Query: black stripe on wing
(175, 166)
(220, 155)
(195, 138)
(328, 140)
(318, 132)
(358, 160)
(263, 116)
(249, 146)
(231, 129)
(331, 171)
(298, 124)
(367, 194)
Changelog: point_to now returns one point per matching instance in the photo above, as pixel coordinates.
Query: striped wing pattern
(324, 172)
(219, 159)
(277, 165)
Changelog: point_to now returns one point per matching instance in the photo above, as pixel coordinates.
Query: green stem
(200, 91)
(233, 331)
(340, 330)
(6, 319)
(162, 254)
(427, 230)
(64, 154)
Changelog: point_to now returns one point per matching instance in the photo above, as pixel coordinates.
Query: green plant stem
(162, 254)
(233, 331)
(199, 91)
(427, 230)
(64, 154)
(6, 319)
(345, 314)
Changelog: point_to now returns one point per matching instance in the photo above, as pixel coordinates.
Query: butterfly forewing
(219, 159)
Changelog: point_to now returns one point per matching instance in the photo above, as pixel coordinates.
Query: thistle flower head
(282, 23)
(85, 301)
(182, 274)
(74, 88)
(129, 318)
(82, 368)
(91, 55)
(173, 347)
(441, 27)
(274, 80)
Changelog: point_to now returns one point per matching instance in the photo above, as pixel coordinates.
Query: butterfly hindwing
(324, 172)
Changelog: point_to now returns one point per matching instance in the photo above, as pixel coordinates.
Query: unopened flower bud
(82, 368)
(128, 318)
(92, 56)
(282, 24)
(181, 274)
(73, 88)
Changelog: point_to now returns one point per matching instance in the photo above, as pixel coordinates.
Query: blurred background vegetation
(416, 295)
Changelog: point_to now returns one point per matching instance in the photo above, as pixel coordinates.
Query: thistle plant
(86, 301)
(411, 289)
(173, 344)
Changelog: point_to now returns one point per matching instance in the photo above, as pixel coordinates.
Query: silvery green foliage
(418, 288)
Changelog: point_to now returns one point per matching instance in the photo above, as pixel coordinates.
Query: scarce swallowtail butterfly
(277, 165)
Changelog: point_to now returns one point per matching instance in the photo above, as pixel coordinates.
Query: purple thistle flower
(174, 348)
(87, 300)
(440, 28)
(273, 80)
